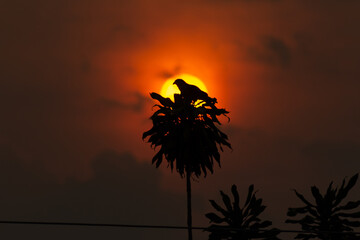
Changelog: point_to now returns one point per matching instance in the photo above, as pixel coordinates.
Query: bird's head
(179, 82)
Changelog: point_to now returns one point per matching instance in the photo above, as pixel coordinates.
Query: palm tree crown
(241, 223)
(186, 133)
(327, 218)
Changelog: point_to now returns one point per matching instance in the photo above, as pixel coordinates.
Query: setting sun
(168, 89)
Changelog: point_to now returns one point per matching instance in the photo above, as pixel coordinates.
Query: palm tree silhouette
(326, 218)
(242, 223)
(188, 138)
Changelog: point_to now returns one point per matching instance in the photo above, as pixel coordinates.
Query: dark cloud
(333, 158)
(333, 150)
(120, 191)
(52, 77)
(168, 74)
(279, 48)
(273, 51)
(136, 105)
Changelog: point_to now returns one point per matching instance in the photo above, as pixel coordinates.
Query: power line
(155, 226)
(98, 225)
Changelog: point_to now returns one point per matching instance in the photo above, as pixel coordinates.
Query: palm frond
(326, 219)
(241, 222)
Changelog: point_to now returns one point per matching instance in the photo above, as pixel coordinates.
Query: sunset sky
(74, 97)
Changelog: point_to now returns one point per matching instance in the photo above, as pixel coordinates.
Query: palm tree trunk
(189, 217)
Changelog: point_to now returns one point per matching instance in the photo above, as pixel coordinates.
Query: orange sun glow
(168, 89)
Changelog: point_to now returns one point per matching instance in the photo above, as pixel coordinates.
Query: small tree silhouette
(326, 218)
(242, 223)
(188, 138)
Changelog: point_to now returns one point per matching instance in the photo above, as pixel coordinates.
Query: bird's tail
(212, 100)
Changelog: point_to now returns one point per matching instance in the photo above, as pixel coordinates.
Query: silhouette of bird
(192, 92)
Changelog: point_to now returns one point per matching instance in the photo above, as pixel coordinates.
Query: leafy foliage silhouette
(245, 219)
(326, 218)
(186, 133)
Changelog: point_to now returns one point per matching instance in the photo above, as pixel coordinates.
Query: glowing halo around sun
(169, 89)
